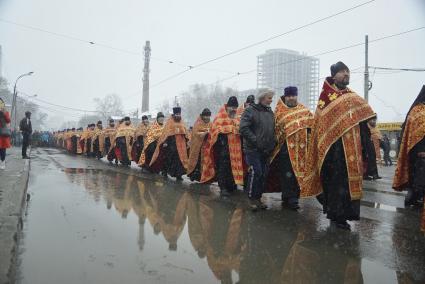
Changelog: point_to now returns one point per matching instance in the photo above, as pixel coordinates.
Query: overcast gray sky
(72, 73)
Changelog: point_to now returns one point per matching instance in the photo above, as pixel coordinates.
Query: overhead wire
(399, 69)
(107, 46)
(385, 104)
(196, 66)
(327, 52)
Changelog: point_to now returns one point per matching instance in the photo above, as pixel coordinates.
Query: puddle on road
(381, 206)
(99, 226)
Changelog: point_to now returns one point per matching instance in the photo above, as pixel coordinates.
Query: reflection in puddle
(381, 206)
(236, 245)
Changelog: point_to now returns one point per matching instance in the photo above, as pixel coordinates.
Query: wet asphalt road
(88, 222)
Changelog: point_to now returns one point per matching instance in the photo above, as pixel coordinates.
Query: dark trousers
(25, 143)
(2, 154)
(387, 158)
(96, 151)
(257, 172)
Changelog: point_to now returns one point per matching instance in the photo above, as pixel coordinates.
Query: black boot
(343, 225)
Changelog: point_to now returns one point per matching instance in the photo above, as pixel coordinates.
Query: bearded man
(197, 144)
(124, 141)
(170, 156)
(152, 135)
(139, 137)
(288, 162)
(339, 145)
(223, 152)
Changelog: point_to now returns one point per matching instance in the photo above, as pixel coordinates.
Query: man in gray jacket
(257, 131)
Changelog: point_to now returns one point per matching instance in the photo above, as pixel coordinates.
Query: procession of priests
(325, 155)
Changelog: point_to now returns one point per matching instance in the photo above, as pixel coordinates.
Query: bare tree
(109, 105)
(165, 108)
(38, 117)
(200, 96)
(87, 119)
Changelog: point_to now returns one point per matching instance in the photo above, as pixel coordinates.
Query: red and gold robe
(291, 126)
(197, 143)
(97, 134)
(83, 140)
(110, 133)
(152, 135)
(141, 130)
(78, 134)
(60, 139)
(376, 138)
(338, 115)
(126, 131)
(172, 128)
(414, 132)
(223, 124)
(67, 137)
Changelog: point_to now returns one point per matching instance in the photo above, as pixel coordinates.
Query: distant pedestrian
(386, 146)
(26, 128)
(45, 139)
(5, 133)
(398, 144)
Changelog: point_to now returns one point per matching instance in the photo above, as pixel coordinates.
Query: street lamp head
(30, 73)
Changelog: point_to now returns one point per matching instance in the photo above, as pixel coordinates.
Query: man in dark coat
(26, 128)
(257, 131)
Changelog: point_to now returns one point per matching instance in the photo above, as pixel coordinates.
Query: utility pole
(366, 70)
(145, 98)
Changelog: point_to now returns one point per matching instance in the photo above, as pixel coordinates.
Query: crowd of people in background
(290, 150)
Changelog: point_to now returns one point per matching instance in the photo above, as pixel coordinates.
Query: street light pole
(366, 70)
(14, 99)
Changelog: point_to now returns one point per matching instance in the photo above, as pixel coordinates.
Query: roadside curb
(11, 225)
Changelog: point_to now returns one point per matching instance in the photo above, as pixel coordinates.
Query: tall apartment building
(1, 61)
(278, 68)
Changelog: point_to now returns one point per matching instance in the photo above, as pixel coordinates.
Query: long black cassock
(223, 167)
(172, 164)
(336, 200)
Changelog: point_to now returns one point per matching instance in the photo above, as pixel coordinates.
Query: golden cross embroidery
(350, 110)
(332, 96)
